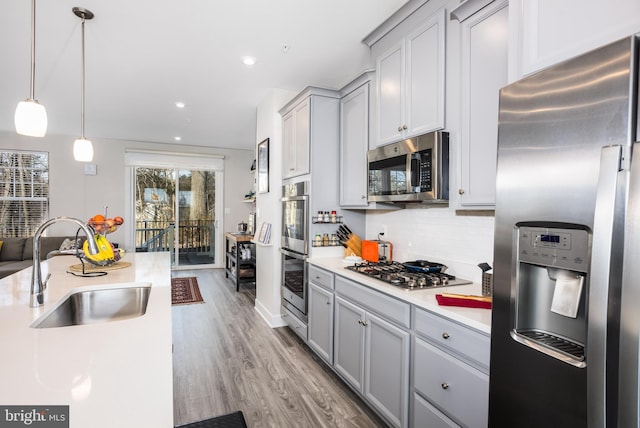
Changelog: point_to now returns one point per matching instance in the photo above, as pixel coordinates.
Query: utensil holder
(487, 284)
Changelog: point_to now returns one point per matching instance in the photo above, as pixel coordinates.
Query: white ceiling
(144, 55)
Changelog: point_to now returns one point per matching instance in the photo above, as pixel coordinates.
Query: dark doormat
(232, 420)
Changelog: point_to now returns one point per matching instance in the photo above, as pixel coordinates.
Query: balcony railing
(195, 236)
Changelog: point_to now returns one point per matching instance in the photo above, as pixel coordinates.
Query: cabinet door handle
(292, 169)
(460, 191)
(404, 127)
(444, 385)
(360, 322)
(364, 323)
(317, 276)
(363, 197)
(445, 335)
(399, 128)
(328, 302)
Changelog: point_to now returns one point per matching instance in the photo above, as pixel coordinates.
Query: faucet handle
(46, 280)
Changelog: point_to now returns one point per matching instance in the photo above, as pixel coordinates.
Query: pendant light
(82, 148)
(31, 117)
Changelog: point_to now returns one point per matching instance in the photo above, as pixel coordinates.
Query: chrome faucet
(37, 285)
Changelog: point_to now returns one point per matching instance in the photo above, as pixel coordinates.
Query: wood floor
(226, 359)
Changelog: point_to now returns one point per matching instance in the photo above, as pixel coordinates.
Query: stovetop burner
(398, 274)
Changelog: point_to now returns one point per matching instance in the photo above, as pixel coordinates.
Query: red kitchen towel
(462, 302)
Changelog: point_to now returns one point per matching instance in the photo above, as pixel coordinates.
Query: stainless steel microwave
(412, 170)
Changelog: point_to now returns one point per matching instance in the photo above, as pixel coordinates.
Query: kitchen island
(116, 373)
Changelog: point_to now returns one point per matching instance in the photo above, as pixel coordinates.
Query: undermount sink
(92, 306)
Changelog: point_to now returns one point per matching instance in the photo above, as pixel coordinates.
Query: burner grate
(399, 275)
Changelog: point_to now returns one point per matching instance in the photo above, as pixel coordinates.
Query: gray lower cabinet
(426, 415)
(450, 373)
(321, 322)
(349, 342)
(371, 353)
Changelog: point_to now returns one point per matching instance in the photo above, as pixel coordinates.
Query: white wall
(74, 194)
(268, 208)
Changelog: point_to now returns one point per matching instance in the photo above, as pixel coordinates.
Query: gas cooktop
(411, 275)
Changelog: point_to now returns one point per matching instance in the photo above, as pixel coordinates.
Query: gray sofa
(17, 253)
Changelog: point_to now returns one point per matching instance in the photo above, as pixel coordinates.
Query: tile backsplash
(438, 235)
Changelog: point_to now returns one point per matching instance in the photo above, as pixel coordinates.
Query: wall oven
(293, 246)
(412, 170)
(294, 283)
(295, 217)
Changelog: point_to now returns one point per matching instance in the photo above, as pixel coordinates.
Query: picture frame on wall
(263, 166)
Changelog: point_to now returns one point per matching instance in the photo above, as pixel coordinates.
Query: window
(24, 192)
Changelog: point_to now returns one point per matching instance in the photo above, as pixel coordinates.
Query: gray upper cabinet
(354, 144)
(295, 140)
(484, 72)
(410, 83)
(551, 31)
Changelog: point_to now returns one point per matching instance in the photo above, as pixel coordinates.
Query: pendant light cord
(32, 82)
(83, 84)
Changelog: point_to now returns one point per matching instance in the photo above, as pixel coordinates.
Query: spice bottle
(334, 217)
(327, 219)
(325, 240)
(318, 240)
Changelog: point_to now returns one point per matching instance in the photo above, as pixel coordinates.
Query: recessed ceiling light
(248, 60)
(177, 138)
(180, 104)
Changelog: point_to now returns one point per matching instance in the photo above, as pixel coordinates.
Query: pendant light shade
(82, 148)
(31, 117)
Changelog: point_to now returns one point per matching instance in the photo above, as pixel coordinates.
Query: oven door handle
(293, 254)
(294, 198)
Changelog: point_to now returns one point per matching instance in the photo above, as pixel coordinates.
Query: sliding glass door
(175, 210)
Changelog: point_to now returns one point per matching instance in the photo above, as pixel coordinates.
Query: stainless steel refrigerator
(566, 298)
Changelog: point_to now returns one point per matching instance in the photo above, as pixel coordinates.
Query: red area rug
(185, 291)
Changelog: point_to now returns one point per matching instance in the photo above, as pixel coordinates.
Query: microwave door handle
(415, 172)
(604, 227)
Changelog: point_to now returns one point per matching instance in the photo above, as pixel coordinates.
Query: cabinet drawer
(425, 415)
(294, 324)
(385, 306)
(321, 277)
(469, 344)
(456, 388)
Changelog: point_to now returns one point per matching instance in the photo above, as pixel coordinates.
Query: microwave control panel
(555, 247)
(425, 168)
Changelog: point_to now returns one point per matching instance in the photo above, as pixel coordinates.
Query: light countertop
(479, 319)
(111, 374)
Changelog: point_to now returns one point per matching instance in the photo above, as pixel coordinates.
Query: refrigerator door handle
(601, 257)
(628, 393)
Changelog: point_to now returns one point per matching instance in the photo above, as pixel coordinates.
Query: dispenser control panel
(566, 248)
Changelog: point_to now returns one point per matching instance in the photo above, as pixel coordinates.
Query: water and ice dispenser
(549, 296)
